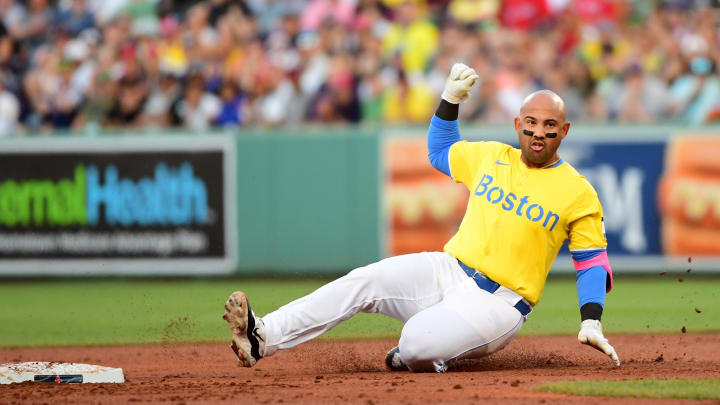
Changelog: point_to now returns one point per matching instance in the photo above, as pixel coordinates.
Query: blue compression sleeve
(591, 285)
(441, 136)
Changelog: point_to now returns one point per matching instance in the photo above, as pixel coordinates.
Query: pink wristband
(599, 260)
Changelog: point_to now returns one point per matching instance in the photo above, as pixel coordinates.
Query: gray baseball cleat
(248, 341)
(393, 360)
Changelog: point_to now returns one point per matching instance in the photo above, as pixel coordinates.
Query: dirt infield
(353, 372)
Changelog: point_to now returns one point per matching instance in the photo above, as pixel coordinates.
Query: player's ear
(517, 125)
(565, 129)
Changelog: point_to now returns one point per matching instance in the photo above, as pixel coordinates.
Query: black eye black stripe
(531, 133)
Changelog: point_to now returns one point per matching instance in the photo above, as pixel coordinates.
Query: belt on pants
(490, 286)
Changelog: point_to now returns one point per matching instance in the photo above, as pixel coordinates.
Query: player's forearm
(591, 292)
(443, 133)
(594, 280)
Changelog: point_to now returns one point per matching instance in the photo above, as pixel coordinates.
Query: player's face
(541, 127)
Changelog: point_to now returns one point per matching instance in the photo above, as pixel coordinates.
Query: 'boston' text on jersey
(533, 212)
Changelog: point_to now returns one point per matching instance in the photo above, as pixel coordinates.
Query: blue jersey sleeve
(441, 136)
(591, 285)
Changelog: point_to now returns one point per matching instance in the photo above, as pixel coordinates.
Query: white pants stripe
(446, 315)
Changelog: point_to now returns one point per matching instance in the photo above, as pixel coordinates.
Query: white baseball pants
(446, 315)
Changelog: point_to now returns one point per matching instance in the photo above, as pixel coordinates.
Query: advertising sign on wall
(423, 206)
(689, 197)
(625, 175)
(155, 205)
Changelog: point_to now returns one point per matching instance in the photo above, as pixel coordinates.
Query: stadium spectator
(9, 108)
(198, 109)
(411, 35)
(12, 14)
(76, 18)
(138, 63)
(696, 93)
(231, 111)
(341, 12)
(642, 98)
(132, 91)
(36, 25)
(164, 93)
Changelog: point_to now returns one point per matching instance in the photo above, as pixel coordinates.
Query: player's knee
(418, 354)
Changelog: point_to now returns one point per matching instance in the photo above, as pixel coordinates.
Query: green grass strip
(669, 389)
(648, 304)
(99, 312)
(127, 311)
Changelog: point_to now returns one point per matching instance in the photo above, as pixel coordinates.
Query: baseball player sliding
(471, 299)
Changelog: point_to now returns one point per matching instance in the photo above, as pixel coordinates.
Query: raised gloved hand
(458, 84)
(591, 335)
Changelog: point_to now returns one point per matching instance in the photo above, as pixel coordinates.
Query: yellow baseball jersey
(517, 218)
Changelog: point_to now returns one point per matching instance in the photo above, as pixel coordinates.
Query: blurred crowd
(74, 64)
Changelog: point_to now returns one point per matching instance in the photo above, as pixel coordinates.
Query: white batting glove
(591, 335)
(457, 87)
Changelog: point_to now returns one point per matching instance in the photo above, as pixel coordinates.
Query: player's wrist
(591, 310)
(447, 111)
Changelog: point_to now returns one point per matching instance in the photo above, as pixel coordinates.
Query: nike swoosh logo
(497, 162)
(257, 335)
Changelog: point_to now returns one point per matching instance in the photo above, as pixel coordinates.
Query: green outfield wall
(308, 203)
